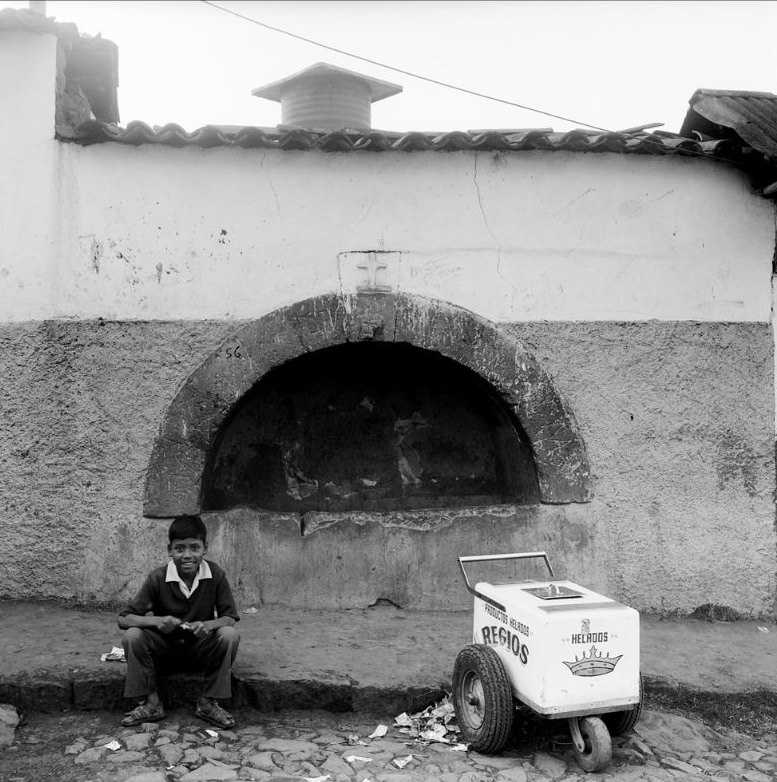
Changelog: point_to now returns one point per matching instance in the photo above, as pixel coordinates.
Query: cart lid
(547, 596)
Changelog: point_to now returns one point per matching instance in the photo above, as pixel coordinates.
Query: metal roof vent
(326, 97)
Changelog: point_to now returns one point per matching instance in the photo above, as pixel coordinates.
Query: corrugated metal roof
(751, 116)
(137, 133)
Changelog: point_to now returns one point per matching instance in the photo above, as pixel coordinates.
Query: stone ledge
(49, 691)
(84, 691)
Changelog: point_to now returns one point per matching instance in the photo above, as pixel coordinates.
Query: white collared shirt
(202, 573)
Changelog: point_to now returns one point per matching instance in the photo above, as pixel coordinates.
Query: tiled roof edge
(298, 139)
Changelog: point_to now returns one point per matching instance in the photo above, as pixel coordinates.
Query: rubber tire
(620, 722)
(598, 745)
(479, 674)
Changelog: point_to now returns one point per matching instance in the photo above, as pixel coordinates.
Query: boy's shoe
(143, 713)
(213, 713)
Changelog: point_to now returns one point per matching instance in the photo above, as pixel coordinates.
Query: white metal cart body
(566, 652)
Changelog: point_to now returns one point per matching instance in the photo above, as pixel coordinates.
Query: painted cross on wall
(369, 271)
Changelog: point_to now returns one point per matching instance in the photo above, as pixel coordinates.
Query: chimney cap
(378, 88)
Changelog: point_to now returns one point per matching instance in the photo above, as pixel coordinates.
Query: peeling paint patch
(97, 254)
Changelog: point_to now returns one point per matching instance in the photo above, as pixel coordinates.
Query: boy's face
(187, 553)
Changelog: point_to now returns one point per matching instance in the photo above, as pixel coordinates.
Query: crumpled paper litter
(435, 724)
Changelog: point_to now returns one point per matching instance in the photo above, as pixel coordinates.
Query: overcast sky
(614, 64)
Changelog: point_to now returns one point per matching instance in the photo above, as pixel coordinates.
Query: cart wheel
(620, 722)
(596, 752)
(482, 698)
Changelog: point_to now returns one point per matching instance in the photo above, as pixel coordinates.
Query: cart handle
(493, 557)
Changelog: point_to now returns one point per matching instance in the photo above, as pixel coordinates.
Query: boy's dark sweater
(212, 598)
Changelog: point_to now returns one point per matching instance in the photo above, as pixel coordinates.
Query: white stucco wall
(29, 186)
(161, 233)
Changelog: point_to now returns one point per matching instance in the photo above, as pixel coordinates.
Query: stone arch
(204, 402)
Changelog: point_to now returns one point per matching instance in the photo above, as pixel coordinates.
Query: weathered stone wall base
(365, 559)
(677, 421)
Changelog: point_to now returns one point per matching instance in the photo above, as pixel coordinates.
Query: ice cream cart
(562, 650)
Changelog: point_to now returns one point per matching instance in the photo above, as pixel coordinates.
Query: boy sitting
(184, 609)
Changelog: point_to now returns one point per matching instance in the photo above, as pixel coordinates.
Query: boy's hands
(166, 624)
(199, 629)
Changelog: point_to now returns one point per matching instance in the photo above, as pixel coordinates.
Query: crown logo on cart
(593, 664)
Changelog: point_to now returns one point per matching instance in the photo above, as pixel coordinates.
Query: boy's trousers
(212, 656)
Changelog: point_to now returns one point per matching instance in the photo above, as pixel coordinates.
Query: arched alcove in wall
(500, 368)
(369, 426)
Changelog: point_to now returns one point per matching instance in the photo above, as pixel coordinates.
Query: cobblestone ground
(296, 746)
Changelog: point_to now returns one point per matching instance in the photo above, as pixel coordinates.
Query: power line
(439, 83)
(398, 70)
